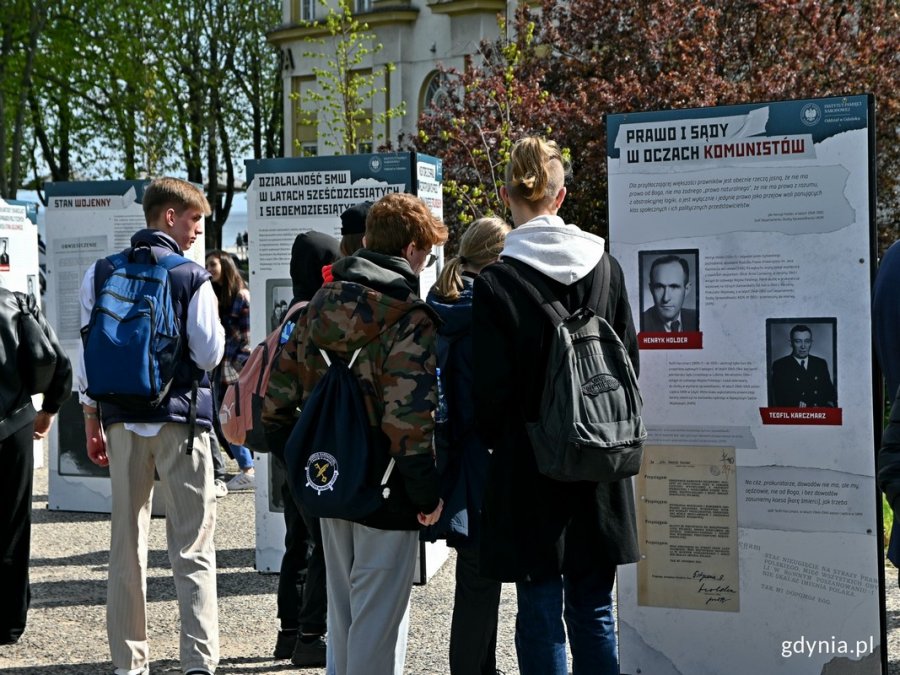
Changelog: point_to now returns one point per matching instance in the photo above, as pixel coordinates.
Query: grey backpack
(589, 424)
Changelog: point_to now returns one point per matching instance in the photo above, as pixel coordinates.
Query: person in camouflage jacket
(373, 304)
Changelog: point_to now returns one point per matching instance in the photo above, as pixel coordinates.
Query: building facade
(417, 36)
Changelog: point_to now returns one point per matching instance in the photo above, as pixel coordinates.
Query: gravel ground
(66, 632)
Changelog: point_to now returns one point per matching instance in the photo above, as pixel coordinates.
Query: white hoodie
(562, 252)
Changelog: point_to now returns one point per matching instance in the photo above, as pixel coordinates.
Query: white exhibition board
(757, 500)
(288, 196)
(19, 265)
(85, 221)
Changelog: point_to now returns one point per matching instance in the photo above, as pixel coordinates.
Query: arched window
(434, 90)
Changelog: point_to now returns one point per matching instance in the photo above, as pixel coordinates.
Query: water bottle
(441, 440)
(440, 414)
(286, 332)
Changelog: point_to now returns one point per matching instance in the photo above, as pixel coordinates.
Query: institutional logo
(810, 114)
(321, 472)
(375, 164)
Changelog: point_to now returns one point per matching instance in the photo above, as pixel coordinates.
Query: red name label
(827, 416)
(692, 340)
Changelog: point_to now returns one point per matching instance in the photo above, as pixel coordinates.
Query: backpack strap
(328, 358)
(171, 261)
(109, 265)
(534, 286)
(386, 491)
(601, 279)
(192, 416)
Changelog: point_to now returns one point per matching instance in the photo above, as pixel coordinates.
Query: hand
(431, 518)
(95, 438)
(42, 424)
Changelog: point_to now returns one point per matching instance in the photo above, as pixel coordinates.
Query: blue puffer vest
(186, 280)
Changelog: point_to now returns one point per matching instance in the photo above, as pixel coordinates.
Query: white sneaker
(220, 488)
(243, 481)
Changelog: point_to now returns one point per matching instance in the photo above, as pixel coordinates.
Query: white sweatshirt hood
(565, 253)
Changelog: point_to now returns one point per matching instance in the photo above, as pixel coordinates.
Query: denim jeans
(242, 456)
(540, 638)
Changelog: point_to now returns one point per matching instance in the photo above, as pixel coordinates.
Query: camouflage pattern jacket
(370, 305)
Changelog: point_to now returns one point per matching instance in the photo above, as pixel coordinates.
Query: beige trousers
(186, 482)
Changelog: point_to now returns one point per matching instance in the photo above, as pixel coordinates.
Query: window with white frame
(363, 6)
(307, 10)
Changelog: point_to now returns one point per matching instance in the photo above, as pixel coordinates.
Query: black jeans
(17, 460)
(301, 602)
(473, 630)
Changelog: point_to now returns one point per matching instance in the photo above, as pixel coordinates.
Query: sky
(237, 219)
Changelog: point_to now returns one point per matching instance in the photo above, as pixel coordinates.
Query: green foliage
(473, 126)
(574, 62)
(139, 89)
(346, 82)
(887, 519)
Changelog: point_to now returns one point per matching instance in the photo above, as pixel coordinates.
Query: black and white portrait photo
(4, 254)
(802, 362)
(670, 291)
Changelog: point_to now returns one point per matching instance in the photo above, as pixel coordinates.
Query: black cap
(353, 220)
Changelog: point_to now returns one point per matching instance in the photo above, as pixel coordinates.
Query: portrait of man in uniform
(800, 378)
(670, 288)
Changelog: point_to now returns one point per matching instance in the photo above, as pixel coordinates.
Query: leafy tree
(346, 82)
(593, 57)
(21, 25)
(472, 127)
(256, 70)
(144, 89)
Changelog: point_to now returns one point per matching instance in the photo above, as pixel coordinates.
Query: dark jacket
(16, 409)
(889, 473)
(886, 317)
(186, 280)
(889, 458)
(465, 475)
(535, 527)
(652, 322)
(791, 384)
(371, 305)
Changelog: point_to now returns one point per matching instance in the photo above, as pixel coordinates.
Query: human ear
(560, 197)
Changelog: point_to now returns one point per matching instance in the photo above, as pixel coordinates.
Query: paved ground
(66, 633)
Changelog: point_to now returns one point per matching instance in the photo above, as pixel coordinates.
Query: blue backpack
(331, 450)
(132, 343)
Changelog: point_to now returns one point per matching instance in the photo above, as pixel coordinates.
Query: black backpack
(331, 449)
(36, 355)
(589, 424)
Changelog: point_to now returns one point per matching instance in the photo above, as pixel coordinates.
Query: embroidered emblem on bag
(600, 384)
(321, 472)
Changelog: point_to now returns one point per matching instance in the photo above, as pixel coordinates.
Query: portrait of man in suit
(670, 284)
(801, 379)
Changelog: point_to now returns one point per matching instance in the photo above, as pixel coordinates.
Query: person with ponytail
(560, 542)
(473, 630)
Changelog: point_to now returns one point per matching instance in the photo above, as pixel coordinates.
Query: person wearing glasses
(372, 305)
